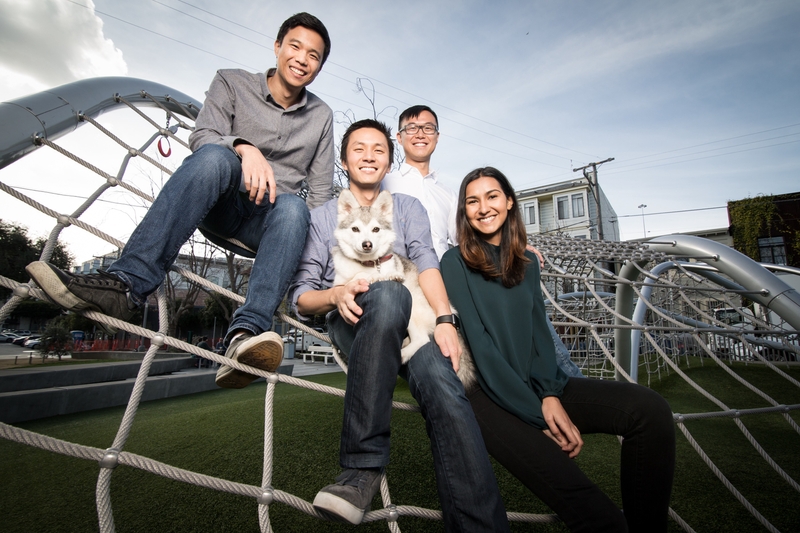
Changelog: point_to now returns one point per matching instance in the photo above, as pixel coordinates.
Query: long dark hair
(476, 252)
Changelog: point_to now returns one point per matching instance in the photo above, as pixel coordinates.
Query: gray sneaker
(264, 352)
(350, 497)
(101, 292)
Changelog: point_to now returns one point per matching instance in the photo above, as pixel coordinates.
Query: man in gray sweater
(257, 138)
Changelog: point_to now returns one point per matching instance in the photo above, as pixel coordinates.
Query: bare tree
(181, 293)
(388, 114)
(238, 272)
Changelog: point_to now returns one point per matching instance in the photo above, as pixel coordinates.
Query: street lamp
(644, 230)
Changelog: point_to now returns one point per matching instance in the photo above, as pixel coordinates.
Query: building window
(563, 207)
(577, 205)
(772, 250)
(529, 213)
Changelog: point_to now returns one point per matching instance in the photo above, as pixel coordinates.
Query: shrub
(56, 338)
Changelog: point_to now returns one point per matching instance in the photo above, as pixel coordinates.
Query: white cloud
(45, 43)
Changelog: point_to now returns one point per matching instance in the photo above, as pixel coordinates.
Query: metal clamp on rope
(110, 459)
(266, 497)
(22, 290)
(393, 514)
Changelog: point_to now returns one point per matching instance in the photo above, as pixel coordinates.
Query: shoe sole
(58, 293)
(338, 507)
(54, 288)
(264, 354)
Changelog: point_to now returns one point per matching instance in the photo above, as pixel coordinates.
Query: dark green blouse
(507, 333)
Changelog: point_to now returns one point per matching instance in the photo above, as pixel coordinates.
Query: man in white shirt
(418, 134)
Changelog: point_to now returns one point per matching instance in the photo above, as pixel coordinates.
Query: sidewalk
(310, 369)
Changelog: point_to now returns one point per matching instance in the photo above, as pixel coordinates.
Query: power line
(639, 215)
(324, 72)
(63, 195)
(713, 149)
(714, 142)
(392, 87)
(160, 34)
(700, 158)
(490, 123)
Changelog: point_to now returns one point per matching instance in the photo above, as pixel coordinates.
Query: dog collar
(377, 262)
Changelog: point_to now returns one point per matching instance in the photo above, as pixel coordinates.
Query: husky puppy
(365, 237)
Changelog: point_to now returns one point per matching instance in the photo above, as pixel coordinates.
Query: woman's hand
(446, 338)
(561, 429)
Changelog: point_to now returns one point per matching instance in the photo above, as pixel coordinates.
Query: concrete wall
(71, 389)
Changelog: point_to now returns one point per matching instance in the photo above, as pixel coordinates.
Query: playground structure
(627, 311)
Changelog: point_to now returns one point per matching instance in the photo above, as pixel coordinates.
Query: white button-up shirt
(438, 200)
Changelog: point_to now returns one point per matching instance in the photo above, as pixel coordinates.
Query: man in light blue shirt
(368, 324)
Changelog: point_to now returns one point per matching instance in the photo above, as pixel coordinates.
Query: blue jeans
(465, 481)
(204, 192)
(562, 355)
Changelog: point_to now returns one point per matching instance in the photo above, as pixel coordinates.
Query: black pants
(641, 416)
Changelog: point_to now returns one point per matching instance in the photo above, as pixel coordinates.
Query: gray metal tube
(624, 308)
(768, 289)
(54, 112)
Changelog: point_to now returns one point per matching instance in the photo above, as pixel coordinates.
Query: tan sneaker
(264, 352)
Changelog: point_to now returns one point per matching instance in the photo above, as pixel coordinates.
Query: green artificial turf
(220, 433)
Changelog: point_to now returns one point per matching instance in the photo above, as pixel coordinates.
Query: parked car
(20, 341)
(8, 337)
(34, 343)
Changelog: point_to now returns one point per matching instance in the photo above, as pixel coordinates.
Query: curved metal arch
(54, 112)
(767, 289)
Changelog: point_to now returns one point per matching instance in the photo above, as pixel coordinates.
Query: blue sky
(698, 102)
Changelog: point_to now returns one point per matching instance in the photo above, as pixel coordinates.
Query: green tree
(752, 218)
(17, 250)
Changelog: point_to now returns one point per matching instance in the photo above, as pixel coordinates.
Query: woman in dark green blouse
(531, 414)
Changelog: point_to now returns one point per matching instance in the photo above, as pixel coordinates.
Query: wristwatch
(449, 319)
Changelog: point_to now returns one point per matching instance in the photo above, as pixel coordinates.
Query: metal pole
(644, 230)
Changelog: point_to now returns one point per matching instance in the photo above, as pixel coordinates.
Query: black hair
(476, 252)
(367, 123)
(310, 22)
(413, 112)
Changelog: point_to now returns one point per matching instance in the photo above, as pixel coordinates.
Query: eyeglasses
(427, 128)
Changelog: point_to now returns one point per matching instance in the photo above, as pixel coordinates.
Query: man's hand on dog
(345, 299)
(257, 174)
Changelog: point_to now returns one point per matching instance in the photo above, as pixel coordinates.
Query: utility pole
(644, 229)
(591, 177)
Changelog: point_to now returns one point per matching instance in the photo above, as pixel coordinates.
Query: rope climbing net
(686, 310)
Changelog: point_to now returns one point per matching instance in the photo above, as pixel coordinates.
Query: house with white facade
(569, 208)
